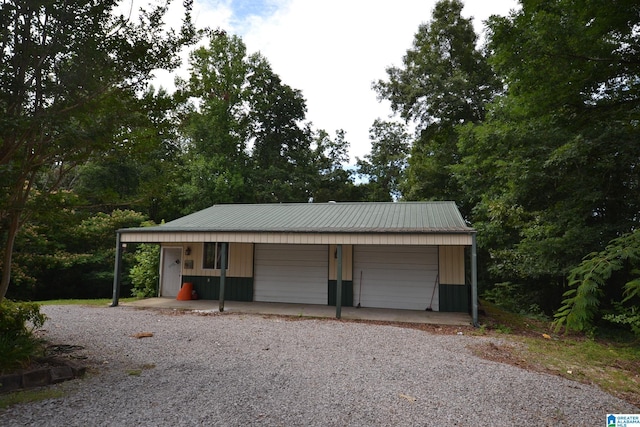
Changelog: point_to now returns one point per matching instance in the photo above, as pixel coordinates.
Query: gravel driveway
(237, 370)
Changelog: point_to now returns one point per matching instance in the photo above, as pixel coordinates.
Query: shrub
(145, 274)
(628, 317)
(18, 321)
(515, 298)
(587, 284)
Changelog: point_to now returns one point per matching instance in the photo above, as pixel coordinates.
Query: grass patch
(138, 371)
(614, 367)
(612, 364)
(26, 396)
(97, 302)
(507, 322)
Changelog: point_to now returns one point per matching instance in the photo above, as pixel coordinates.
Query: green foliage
(385, 166)
(145, 274)
(445, 82)
(444, 77)
(514, 298)
(18, 321)
(333, 180)
(247, 139)
(64, 255)
(587, 284)
(71, 75)
(550, 173)
(628, 317)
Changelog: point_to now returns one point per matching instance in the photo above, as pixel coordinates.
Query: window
(212, 256)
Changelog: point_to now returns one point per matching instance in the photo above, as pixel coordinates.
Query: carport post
(474, 281)
(223, 274)
(339, 283)
(117, 271)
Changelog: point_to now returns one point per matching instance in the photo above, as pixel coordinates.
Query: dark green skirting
(235, 288)
(454, 298)
(347, 293)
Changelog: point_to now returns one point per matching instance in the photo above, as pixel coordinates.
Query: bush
(18, 321)
(145, 274)
(515, 298)
(627, 317)
(587, 283)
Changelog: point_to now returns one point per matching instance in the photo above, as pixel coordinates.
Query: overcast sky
(332, 50)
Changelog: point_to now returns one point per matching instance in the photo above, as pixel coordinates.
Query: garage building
(405, 255)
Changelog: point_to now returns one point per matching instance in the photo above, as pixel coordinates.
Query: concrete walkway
(309, 310)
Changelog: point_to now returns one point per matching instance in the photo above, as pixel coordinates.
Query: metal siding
(347, 262)
(455, 239)
(240, 260)
(291, 273)
(452, 265)
(400, 277)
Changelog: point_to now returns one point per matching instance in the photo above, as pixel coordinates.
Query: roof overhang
(363, 223)
(436, 238)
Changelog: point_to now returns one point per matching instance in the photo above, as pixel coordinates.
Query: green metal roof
(347, 217)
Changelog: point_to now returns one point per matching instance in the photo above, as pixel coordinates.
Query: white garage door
(291, 273)
(395, 276)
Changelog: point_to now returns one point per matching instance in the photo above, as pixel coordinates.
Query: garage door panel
(396, 276)
(291, 273)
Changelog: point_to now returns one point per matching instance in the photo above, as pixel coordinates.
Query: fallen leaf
(409, 398)
(143, 335)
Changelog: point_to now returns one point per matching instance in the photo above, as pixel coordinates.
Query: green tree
(247, 138)
(445, 81)
(281, 153)
(385, 166)
(70, 73)
(552, 170)
(68, 254)
(217, 125)
(139, 175)
(40, 246)
(333, 180)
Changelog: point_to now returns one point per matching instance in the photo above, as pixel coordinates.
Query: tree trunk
(15, 213)
(14, 222)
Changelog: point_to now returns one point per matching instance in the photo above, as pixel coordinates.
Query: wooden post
(339, 283)
(223, 274)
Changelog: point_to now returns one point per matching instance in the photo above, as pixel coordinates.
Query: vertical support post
(474, 281)
(117, 272)
(339, 283)
(223, 274)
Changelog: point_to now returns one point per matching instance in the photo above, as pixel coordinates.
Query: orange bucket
(185, 292)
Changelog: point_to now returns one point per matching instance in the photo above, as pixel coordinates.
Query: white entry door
(171, 272)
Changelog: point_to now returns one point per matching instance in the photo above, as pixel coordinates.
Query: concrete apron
(308, 310)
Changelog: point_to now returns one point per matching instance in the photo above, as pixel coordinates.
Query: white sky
(332, 50)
